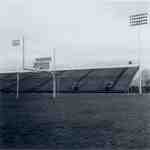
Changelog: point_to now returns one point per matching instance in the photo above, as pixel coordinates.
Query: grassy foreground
(75, 121)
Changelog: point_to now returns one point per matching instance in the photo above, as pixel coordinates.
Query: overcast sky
(84, 32)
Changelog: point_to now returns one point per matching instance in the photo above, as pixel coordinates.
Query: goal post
(38, 63)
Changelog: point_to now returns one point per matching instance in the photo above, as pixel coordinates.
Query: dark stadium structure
(72, 81)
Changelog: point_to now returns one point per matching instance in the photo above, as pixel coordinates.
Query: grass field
(75, 121)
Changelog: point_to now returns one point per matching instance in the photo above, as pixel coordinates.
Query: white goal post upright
(54, 73)
(16, 43)
(23, 52)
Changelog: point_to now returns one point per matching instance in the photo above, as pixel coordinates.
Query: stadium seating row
(88, 80)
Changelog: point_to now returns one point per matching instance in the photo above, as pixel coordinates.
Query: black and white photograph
(74, 75)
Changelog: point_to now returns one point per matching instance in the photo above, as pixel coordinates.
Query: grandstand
(72, 81)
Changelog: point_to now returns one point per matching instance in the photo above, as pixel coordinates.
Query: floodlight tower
(138, 20)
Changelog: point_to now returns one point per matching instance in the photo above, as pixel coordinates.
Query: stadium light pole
(138, 20)
(16, 43)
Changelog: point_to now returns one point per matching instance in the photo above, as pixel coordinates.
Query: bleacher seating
(88, 80)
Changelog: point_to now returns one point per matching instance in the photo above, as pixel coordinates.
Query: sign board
(42, 63)
(43, 59)
(15, 42)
